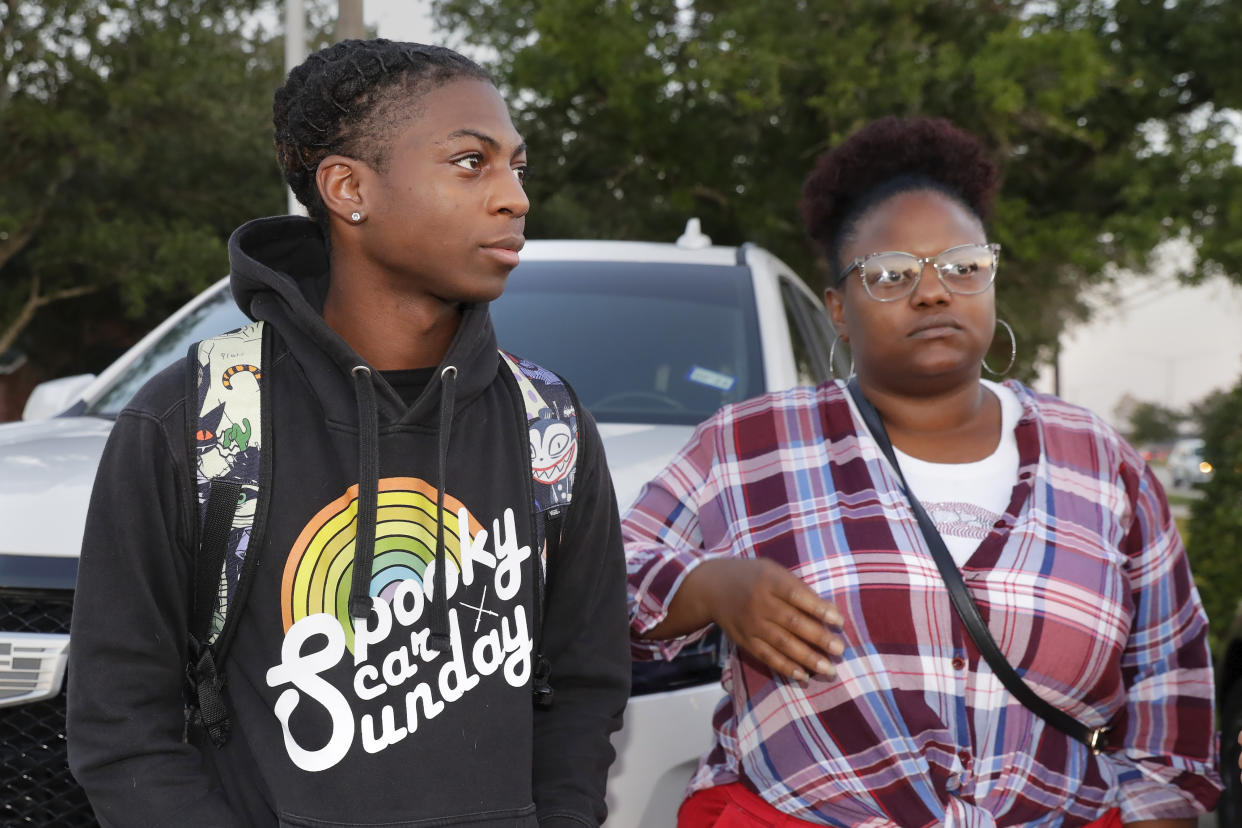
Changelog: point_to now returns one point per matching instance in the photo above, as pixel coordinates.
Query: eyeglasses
(892, 275)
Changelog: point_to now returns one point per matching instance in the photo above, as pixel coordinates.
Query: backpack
(228, 423)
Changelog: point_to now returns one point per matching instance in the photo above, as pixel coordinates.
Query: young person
(386, 680)
(855, 695)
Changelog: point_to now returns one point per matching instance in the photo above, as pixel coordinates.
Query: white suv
(1186, 464)
(653, 337)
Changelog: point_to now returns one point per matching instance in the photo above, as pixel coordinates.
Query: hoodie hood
(280, 274)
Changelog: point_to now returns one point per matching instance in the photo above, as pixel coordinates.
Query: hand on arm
(765, 609)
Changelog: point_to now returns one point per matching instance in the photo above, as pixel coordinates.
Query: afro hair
(891, 156)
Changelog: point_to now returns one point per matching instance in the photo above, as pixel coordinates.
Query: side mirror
(54, 396)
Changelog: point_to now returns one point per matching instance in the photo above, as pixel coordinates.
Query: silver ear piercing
(832, 357)
(1013, 351)
(355, 217)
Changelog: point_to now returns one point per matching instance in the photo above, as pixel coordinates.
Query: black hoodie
(329, 730)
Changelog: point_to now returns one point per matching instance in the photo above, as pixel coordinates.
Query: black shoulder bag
(1094, 738)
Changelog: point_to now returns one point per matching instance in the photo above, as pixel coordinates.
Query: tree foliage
(1108, 119)
(134, 136)
(1205, 410)
(1151, 422)
(1215, 543)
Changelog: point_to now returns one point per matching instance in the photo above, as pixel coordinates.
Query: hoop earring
(1013, 351)
(832, 358)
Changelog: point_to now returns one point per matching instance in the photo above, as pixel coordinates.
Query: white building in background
(1156, 340)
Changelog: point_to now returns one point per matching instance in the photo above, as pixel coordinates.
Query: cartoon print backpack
(228, 423)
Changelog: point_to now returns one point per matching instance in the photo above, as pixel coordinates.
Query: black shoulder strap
(206, 681)
(227, 426)
(1094, 738)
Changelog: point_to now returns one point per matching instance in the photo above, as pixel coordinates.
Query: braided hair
(348, 99)
(887, 157)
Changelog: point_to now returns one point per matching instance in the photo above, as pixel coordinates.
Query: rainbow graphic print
(320, 567)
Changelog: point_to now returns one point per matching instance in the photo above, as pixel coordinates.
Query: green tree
(1215, 544)
(1152, 423)
(134, 136)
(1204, 411)
(1107, 119)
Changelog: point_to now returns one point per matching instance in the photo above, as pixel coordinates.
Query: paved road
(1179, 492)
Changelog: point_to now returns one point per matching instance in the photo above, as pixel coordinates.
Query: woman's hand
(765, 609)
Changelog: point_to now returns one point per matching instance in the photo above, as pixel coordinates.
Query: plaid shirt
(1083, 583)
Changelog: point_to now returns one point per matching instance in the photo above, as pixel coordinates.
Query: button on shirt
(1083, 584)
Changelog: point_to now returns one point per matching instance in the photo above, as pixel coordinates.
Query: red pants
(734, 806)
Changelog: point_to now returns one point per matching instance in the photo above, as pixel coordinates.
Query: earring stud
(355, 217)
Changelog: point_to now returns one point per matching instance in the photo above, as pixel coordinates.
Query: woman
(854, 695)
(362, 688)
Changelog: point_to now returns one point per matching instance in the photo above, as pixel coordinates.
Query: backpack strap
(227, 426)
(552, 428)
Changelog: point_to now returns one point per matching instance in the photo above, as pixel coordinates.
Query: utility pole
(349, 20)
(295, 53)
(1056, 366)
(295, 33)
(349, 24)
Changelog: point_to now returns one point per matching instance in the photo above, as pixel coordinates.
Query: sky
(400, 19)
(1151, 338)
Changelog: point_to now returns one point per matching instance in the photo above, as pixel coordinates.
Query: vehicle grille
(36, 787)
(35, 610)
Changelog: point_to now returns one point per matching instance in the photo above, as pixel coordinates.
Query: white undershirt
(966, 499)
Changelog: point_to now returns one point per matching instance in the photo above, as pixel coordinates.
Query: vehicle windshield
(640, 342)
(215, 316)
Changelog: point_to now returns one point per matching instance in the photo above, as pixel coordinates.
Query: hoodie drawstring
(368, 501)
(439, 619)
(368, 492)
